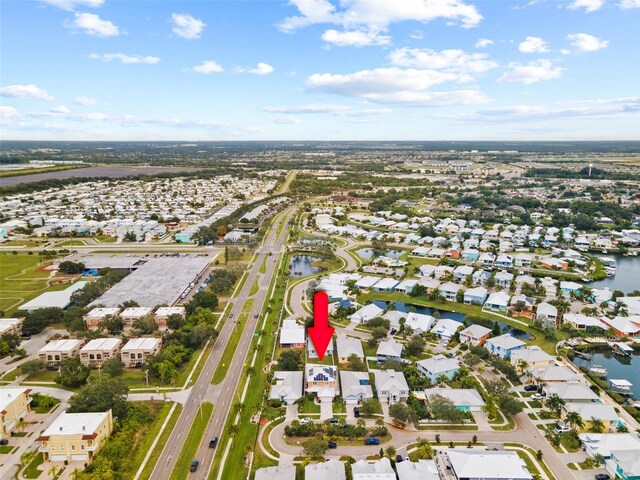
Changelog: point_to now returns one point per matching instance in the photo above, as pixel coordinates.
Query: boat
(636, 404)
(621, 386)
(605, 252)
(598, 370)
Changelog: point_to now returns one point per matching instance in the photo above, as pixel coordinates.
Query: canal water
(459, 317)
(300, 265)
(627, 275)
(368, 253)
(617, 367)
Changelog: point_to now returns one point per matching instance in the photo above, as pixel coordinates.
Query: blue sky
(320, 70)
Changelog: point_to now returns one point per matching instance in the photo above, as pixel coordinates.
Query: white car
(305, 420)
(537, 396)
(562, 428)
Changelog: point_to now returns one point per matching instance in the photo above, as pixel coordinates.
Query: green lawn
(72, 243)
(32, 471)
(192, 442)
(307, 406)
(4, 449)
(230, 350)
(20, 280)
(151, 463)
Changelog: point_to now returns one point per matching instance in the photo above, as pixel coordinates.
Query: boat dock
(621, 386)
(621, 348)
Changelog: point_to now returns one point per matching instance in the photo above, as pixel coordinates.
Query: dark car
(530, 388)
(332, 444)
(371, 441)
(399, 458)
(356, 412)
(602, 476)
(194, 466)
(4, 441)
(213, 442)
(256, 315)
(333, 420)
(393, 331)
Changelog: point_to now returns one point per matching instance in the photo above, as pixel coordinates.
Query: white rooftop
(494, 465)
(75, 424)
(59, 299)
(9, 394)
(61, 346)
(142, 343)
(101, 344)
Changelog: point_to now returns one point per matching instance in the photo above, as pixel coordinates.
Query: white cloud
(128, 59)
(450, 60)
(588, 5)
(533, 45)
(417, 35)
(8, 112)
(599, 108)
(260, 69)
(628, 4)
(72, 4)
(483, 43)
(355, 38)
(25, 91)
(84, 101)
(92, 24)
(186, 26)
(532, 72)
(378, 15)
(587, 43)
(60, 109)
(396, 86)
(287, 120)
(324, 108)
(207, 67)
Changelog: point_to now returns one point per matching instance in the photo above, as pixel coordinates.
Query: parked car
(530, 388)
(356, 412)
(537, 396)
(333, 420)
(305, 420)
(332, 444)
(194, 466)
(602, 476)
(563, 428)
(213, 442)
(4, 441)
(371, 441)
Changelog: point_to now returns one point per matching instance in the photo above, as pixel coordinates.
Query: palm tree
(442, 379)
(574, 420)
(53, 471)
(597, 425)
(47, 401)
(232, 430)
(391, 451)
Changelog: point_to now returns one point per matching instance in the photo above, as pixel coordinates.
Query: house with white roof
(365, 283)
(461, 272)
(437, 366)
(162, 314)
(57, 350)
(476, 296)
(330, 470)
(391, 386)
(419, 322)
(420, 470)
(355, 387)
(93, 318)
(595, 411)
(445, 328)
(394, 317)
(552, 374)
(378, 470)
(279, 472)
(366, 313)
(430, 284)
(604, 443)
(311, 348)
(136, 351)
(464, 399)
(570, 288)
(531, 356)
(94, 353)
(292, 335)
(503, 279)
(406, 286)
(385, 285)
(547, 314)
(75, 437)
(131, 314)
(450, 291)
(475, 335)
(623, 326)
(504, 345)
(485, 465)
(572, 392)
(504, 261)
(348, 346)
(389, 349)
(497, 301)
(287, 386)
(580, 321)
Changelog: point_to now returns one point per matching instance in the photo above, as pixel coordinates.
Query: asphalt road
(222, 395)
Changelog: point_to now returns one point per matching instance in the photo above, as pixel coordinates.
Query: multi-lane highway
(222, 395)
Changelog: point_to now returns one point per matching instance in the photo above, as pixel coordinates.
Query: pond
(617, 367)
(514, 331)
(301, 265)
(368, 253)
(626, 277)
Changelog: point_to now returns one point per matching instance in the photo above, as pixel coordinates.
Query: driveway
(292, 412)
(326, 410)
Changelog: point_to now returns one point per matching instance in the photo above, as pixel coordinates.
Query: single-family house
(378, 470)
(287, 387)
(475, 335)
(437, 366)
(576, 392)
(292, 335)
(464, 399)
(487, 465)
(449, 291)
(445, 328)
(348, 346)
(366, 313)
(419, 322)
(497, 301)
(461, 272)
(547, 314)
(406, 286)
(595, 411)
(355, 386)
(503, 279)
(323, 381)
(389, 349)
(311, 348)
(385, 285)
(531, 356)
(391, 386)
(504, 345)
(504, 261)
(279, 472)
(476, 296)
(330, 470)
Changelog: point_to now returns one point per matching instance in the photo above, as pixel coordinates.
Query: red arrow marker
(321, 333)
